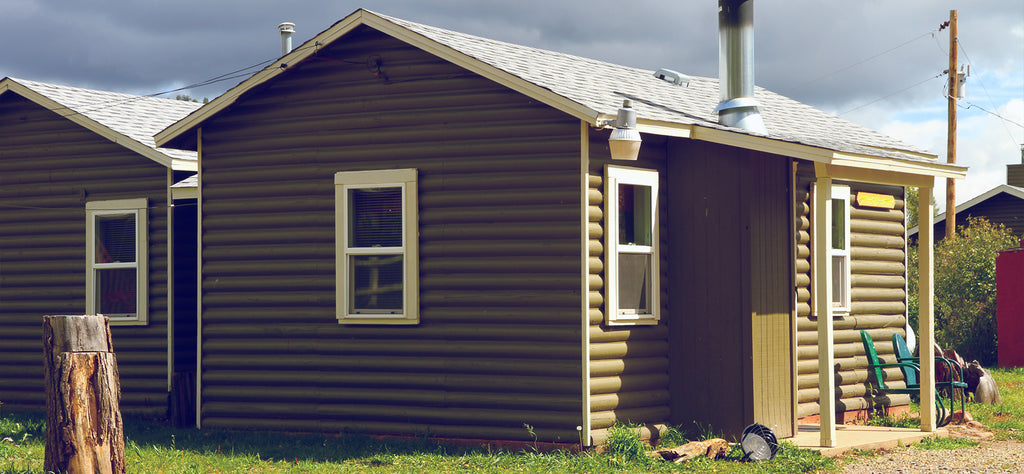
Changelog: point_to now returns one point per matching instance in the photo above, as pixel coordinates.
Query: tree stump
(84, 432)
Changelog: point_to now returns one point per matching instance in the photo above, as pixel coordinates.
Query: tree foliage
(965, 288)
(187, 98)
(912, 204)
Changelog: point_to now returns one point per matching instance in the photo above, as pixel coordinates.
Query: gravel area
(989, 456)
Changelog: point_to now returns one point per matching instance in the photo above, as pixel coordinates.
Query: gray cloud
(145, 46)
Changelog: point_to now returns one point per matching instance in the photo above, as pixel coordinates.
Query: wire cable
(858, 63)
(989, 96)
(889, 95)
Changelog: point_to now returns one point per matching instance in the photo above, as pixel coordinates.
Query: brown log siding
(498, 345)
(49, 168)
(878, 297)
(629, 364)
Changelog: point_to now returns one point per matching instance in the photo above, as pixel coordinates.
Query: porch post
(823, 303)
(926, 306)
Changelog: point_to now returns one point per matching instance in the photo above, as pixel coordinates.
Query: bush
(965, 289)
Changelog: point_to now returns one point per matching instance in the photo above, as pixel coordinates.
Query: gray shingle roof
(136, 117)
(601, 86)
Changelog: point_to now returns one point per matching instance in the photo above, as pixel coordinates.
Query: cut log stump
(714, 448)
(84, 432)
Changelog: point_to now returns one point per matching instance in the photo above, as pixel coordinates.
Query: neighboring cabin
(85, 228)
(1003, 204)
(405, 230)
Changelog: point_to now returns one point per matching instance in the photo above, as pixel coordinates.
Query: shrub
(965, 288)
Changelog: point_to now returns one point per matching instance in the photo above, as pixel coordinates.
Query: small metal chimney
(736, 66)
(1015, 172)
(286, 28)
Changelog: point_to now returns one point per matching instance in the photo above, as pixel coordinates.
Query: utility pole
(951, 131)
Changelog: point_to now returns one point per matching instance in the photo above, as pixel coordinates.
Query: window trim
(842, 193)
(406, 179)
(138, 208)
(615, 175)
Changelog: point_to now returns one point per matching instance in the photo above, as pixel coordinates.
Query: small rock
(961, 416)
(975, 425)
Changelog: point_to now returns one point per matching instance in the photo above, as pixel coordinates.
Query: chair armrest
(952, 365)
(897, 364)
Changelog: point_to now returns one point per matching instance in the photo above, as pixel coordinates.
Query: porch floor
(860, 437)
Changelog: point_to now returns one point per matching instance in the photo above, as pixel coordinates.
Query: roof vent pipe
(736, 66)
(286, 28)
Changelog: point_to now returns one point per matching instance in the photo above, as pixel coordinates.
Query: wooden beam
(823, 302)
(926, 308)
(878, 176)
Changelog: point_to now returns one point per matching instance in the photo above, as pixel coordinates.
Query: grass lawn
(153, 448)
(1007, 418)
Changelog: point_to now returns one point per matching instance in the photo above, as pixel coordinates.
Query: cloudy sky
(877, 63)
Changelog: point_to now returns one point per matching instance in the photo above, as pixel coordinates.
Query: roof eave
(831, 157)
(84, 121)
(184, 165)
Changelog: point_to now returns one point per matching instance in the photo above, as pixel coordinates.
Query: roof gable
(125, 119)
(593, 90)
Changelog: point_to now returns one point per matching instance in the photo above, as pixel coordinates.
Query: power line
(889, 95)
(238, 73)
(989, 96)
(858, 63)
(1000, 117)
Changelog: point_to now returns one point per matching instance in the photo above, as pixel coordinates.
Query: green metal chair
(956, 380)
(875, 367)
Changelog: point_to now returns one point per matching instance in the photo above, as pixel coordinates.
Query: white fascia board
(185, 165)
(363, 17)
(831, 157)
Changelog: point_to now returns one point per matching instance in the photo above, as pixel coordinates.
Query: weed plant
(946, 443)
(900, 421)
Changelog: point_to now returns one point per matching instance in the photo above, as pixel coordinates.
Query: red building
(1010, 306)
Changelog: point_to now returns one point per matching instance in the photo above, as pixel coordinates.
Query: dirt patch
(970, 430)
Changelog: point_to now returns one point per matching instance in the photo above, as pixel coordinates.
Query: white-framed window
(117, 261)
(840, 248)
(377, 250)
(632, 278)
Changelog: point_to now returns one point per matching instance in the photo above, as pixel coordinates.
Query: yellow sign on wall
(883, 201)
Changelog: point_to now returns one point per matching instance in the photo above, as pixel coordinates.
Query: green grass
(154, 448)
(1007, 418)
(900, 421)
(946, 443)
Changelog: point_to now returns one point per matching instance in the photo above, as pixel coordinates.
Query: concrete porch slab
(861, 437)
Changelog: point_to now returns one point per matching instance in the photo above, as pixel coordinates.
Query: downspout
(585, 425)
(170, 279)
(199, 277)
(736, 66)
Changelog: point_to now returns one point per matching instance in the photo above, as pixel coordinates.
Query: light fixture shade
(624, 143)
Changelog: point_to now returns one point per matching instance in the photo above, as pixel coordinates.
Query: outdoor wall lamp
(624, 141)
